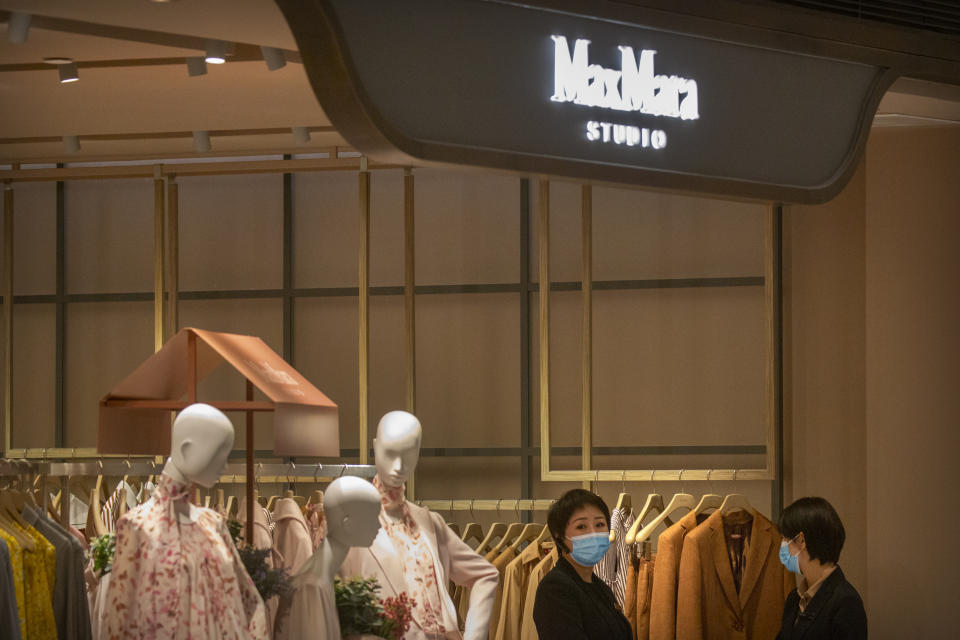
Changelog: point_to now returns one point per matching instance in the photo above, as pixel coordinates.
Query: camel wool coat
(453, 559)
(708, 605)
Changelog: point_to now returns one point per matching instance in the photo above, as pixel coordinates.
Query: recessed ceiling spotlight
(68, 72)
(216, 51)
(58, 60)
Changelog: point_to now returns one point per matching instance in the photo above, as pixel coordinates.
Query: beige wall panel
(326, 229)
(34, 238)
(325, 351)
(471, 477)
(387, 382)
(34, 375)
(231, 232)
(565, 231)
(644, 234)
(468, 370)
(824, 360)
(386, 227)
(105, 341)
(671, 367)
(912, 350)
(467, 227)
(679, 366)
(566, 316)
(257, 317)
(109, 235)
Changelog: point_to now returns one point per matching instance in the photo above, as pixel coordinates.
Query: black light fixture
(18, 27)
(196, 66)
(273, 57)
(68, 72)
(216, 51)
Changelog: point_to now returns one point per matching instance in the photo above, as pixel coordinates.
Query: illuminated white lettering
(634, 87)
(624, 134)
(593, 130)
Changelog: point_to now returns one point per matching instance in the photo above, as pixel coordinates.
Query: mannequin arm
(469, 569)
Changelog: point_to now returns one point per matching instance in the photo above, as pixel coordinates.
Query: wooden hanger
(512, 533)
(94, 519)
(624, 504)
(454, 527)
(736, 501)
(654, 504)
(10, 525)
(218, 505)
(679, 501)
(497, 529)
(708, 501)
(530, 532)
(472, 531)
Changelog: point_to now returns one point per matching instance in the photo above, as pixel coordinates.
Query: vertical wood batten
(409, 300)
(770, 337)
(7, 315)
(544, 297)
(363, 281)
(586, 278)
(173, 256)
(158, 258)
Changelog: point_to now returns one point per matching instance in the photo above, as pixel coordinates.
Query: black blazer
(567, 608)
(835, 613)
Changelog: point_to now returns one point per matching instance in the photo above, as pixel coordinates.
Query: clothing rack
(506, 505)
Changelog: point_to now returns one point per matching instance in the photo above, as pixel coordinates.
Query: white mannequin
(200, 443)
(397, 450)
(352, 508)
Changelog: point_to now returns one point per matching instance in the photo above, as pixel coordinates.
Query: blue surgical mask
(589, 548)
(792, 563)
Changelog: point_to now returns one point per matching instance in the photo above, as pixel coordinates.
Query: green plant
(269, 582)
(361, 612)
(101, 549)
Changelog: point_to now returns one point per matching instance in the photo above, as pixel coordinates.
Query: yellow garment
(40, 570)
(516, 578)
(16, 560)
(528, 630)
(500, 562)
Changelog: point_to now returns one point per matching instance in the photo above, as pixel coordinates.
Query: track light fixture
(68, 72)
(216, 51)
(201, 141)
(18, 27)
(196, 66)
(71, 144)
(301, 135)
(273, 57)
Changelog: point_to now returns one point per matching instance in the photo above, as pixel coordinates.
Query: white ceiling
(140, 99)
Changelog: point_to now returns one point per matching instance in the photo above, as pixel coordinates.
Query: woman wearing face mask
(824, 605)
(572, 603)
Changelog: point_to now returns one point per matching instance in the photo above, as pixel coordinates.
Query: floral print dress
(175, 580)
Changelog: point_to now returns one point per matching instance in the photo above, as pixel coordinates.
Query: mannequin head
(201, 440)
(396, 448)
(352, 508)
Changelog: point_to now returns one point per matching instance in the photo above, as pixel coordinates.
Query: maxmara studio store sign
(599, 95)
(632, 87)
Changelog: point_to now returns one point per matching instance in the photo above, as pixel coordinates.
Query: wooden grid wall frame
(587, 474)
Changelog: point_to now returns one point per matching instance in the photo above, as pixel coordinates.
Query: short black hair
(563, 509)
(820, 525)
